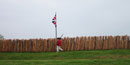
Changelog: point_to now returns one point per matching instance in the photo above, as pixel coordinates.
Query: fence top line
(71, 37)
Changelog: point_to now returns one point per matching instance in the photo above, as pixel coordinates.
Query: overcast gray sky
(25, 19)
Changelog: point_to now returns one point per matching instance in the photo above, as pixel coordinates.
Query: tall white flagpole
(56, 25)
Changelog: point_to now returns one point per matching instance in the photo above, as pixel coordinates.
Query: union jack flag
(54, 20)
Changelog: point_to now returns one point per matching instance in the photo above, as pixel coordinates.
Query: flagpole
(56, 25)
(56, 30)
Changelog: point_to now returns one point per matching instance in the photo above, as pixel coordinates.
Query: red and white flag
(54, 20)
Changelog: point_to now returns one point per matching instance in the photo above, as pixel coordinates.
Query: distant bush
(1, 36)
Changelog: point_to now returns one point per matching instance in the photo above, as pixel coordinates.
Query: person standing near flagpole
(59, 42)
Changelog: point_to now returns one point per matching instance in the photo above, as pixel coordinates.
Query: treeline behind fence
(68, 44)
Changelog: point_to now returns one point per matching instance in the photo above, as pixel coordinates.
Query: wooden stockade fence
(68, 44)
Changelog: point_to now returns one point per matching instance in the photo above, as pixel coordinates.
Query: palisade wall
(68, 44)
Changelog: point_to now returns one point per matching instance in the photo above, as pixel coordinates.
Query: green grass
(95, 57)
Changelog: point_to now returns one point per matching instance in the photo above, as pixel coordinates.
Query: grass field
(94, 57)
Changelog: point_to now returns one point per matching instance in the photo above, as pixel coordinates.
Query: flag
(54, 20)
